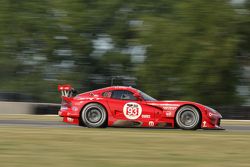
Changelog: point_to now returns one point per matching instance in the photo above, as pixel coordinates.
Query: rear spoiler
(67, 90)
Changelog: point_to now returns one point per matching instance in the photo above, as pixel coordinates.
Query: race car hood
(170, 105)
(174, 105)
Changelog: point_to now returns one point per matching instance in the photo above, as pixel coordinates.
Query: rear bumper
(69, 116)
(67, 113)
(71, 120)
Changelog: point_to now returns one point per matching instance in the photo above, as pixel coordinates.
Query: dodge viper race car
(121, 106)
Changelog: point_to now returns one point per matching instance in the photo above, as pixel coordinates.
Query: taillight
(66, 104)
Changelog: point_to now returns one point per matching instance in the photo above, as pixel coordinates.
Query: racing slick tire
(94, 116)
(188, 118)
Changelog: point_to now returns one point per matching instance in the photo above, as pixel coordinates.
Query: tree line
(189, 50)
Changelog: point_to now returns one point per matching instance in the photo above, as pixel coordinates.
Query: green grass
(23, 146)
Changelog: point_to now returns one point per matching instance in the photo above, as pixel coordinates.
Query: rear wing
(67, 90)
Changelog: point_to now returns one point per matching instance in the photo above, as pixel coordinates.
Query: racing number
(132, 110)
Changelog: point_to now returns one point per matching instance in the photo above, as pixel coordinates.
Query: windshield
(146, 97)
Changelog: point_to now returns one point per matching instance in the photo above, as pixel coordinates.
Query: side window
(123, 95)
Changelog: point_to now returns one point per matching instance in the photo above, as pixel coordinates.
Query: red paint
(154, 113)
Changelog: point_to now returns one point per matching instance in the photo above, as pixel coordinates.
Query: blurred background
(188, 50)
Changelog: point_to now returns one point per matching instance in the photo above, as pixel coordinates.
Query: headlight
(212, 113)
(211, 110)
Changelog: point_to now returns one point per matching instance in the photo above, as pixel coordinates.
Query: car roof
(110, 88)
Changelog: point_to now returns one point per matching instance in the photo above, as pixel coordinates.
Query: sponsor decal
(70, 119)
(132, 110)
(168, 114)
(211, 114)
(151, 123)
(145, 116)
(204, 124)
(63, 108)
(74, 108)
(169, 108)
(170, 105)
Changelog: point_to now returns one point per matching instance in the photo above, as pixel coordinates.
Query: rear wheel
(94, 116)
(188, 118)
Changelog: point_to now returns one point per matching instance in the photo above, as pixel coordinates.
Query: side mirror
(138, 96)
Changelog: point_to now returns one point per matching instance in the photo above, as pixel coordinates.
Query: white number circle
(132, 110)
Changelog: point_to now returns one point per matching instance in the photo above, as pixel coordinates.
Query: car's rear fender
(104, 104)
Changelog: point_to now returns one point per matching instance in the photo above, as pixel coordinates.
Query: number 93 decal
(132, 110)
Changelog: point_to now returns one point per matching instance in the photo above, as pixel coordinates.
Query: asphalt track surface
(60, 124)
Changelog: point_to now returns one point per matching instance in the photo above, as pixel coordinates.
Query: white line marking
(234, 120)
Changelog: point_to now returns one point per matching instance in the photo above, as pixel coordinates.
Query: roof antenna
(112, 80)
(122, 78)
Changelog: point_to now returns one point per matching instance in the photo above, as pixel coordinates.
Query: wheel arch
(92, 102)
(188, 104)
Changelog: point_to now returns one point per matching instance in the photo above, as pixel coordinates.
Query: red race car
(121, 106)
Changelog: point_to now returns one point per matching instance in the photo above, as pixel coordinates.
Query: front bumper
(211, 120)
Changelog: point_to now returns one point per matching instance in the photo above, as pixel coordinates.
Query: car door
(124, 106)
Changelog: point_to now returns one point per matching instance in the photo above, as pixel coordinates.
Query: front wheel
(94, 116)
(188, 118)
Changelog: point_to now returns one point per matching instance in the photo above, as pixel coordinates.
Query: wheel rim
(188, 118)
(94, 115)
